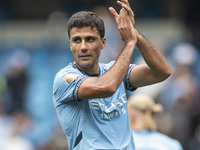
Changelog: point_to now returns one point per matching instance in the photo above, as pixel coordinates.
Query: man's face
(86, 45)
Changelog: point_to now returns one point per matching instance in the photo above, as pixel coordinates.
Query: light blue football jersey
(93, 124)
(153, 140)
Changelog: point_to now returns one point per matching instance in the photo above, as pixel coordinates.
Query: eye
(90, 39)
(76, 39)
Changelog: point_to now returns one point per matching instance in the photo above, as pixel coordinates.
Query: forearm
(118, 71)
(153, 58)
(128, 34)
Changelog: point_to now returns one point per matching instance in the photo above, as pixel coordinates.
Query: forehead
(84, 31)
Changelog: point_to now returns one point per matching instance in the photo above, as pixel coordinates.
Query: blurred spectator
(142, 113)
(180, 98)
(17, 130)
(183, 82)
(17, 79)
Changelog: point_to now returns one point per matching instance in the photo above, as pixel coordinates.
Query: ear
(103, 42)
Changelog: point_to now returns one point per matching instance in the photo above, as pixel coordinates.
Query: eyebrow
(88, 36)
(91, 36)
(75, 37)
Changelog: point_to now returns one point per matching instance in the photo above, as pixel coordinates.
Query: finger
(122, 11)
(125, 5)
(113, 12)
(127, 8)
(125, 2)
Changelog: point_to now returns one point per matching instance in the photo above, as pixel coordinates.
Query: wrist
(137, 34)
(130, 44)
(140, 37)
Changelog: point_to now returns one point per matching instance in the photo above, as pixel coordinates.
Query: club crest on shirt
(70, 77)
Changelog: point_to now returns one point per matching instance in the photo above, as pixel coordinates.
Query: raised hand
(125, 26)
(125, 4)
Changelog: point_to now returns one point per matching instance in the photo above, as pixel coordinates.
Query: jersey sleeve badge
(70, 77)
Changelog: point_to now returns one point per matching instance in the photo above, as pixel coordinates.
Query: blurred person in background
(180, 98)
(183, 80)
(16, 128)
(18, 133)
(90, 97)
(142, 112)
(17, 79)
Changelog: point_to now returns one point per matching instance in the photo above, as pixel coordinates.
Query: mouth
(84, 57)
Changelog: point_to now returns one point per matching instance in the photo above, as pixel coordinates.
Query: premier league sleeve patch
(70, 77)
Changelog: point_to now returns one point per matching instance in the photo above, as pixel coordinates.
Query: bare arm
(156, 68)
(107, 84)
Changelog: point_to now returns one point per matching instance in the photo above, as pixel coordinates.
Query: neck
(90, 70)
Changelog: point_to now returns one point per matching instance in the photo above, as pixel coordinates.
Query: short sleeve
(127, 81)
(66, 86)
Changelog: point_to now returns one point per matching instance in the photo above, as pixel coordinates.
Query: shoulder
(69, 71)
(66, 83)
(66, 75)
(65, 70)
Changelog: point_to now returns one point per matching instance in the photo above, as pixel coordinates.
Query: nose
(83, 46)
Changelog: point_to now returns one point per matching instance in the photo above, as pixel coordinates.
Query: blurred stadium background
(34, 46)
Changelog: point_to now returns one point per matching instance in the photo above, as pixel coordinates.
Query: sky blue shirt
(152, 140)
(93, 124)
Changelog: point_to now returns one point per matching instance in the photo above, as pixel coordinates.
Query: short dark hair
(86, 18)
